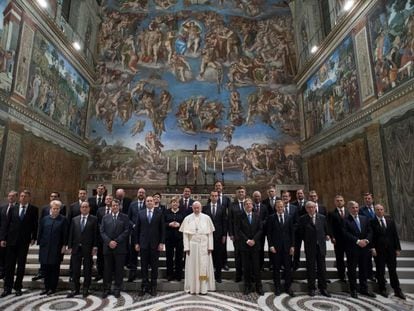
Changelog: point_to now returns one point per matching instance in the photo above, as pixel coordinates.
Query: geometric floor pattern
(222, 301)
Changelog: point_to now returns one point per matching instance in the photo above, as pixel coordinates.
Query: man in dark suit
(157, 202)
(74, 208)
(134, 208)
(313, 196)
(270, 201)
(248, 229)
(124, 201)
(314, 232)
(336, 220)
(82, 244)
(219, 217)
(281, 237)
(4, 212)
(114, 231)
(149, 241)
(186, 202)
(300, 203)
(98, 200)
(358, 233)
(102, 211)
(260, 209)
(368, 211)
(386, 247)
(46, 212)
(236, 209)
(18, 232)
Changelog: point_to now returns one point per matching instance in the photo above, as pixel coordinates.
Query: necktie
(371, 212)
(241, 206)
(114, 220)
(281, 219)
(314, 219)
(249, 216)
(383, 224)
(258, 208)
(186, 203)
(272, 200)
(219, 200)
(107, 210)
(341, 212)
(99, 201)
(83, 222)
(214, 210)
(287, 209)
(358, 223)
(8, 209)
(139, 205)
(316, 207)
(149, 216)
(22, 212)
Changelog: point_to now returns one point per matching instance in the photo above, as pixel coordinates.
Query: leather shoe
(18, 292)
(342, 280)
(290, 292)
(98, 278)
(354, 294)
(400, 294)
(5, 293)
(238, 279)
(311, 293)
(218, 280)
(325, 293)
(226, 268)
(142, 292)
(260, 291)
(246, 291)
(153, 291)
(37, 277)
(105, 294)
(117, 294)
(72, 294)
(277, 291)
(44, 292)
(85, 293)
(51, 292)
(368, 294)
(383, 293)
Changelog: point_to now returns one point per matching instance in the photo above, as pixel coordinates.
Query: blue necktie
(358, 223)
(22, 212)
(149, 216)
(249, 216)
(83, 223)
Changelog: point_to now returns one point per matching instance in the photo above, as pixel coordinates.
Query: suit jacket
(364, 210)
(300, 207)
(94, 204)
(336, 225)
(385, 241)
(74, 210)
(220, 221)
(233, 215)
(225, 204)
(101, 213)
(352, 234)
(126, 202)
(3, 213)
(161, 208)
(293, 212)
(87, 238)
(150, 235)
(322, 209)
(118, 232)
(314, 236)
(281, 236)
(52, 236)
(186, 211)
(173, 234)
(270, 208)
(16, 231)
(46, 211)
(245, 231)
(133, 211)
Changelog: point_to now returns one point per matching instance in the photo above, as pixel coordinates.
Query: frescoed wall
(332, 92)
(391, 26)
(55, 88)
(196, 87)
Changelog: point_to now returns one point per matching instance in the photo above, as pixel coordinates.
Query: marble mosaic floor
(213, 301)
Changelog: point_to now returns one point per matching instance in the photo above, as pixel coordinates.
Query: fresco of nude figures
(192, 88)
(391, 26)
(55, 88)
(332, 93)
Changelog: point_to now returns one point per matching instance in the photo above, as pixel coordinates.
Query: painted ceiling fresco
(192, 88)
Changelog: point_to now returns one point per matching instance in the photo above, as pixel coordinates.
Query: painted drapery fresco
(55, 88)
(190, 88)
(391, 27)
(332, 92)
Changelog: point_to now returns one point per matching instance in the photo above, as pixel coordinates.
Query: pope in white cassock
(197, 229)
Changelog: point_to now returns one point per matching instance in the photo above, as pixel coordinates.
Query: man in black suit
(134, 208)
(124, 201)
(248, 229)
(46, 212)
(358, 233)
(74, 208)
(314, 232)
(18, 232)
(114, 230)
(300, 203)
(98, 200)
(236, 209)
(313, 196)
(368, 211)
(260, 209)
(149, 241)
(157, 202)
(336, 220)
(186, 202)
(270, 201)
(386, 247)
(219, 217)
(82, 245)
(102, 211)
(4, 211)
(281, 237)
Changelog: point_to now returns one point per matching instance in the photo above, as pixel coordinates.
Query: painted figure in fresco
(181, 68)
(192, 32)
(169, 45)
(36, 83)
(236, 109)
(228, 133)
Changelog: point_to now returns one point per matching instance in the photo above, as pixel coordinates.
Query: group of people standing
(118, 231)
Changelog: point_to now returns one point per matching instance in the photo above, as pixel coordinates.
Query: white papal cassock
(198, 239)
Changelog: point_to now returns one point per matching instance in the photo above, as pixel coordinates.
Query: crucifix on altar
(196, 163)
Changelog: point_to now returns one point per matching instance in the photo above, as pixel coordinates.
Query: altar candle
(205, 164)
(214, 164)
(185, 163)
(168, 164)
(176, 164)
(222, 164)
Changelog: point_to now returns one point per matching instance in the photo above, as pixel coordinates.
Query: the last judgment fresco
(193, 88)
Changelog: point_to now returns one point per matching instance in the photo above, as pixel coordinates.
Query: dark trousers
(78, 259)
(261, 251)
(2, 260)
(387, 258)
(217, 255)
(251, 268)
(357, 258)
(51, 274)
(174, 251)
(100, 265)
(339, 249)
(282, 258)
(238, 259)
(316, 268)
(15, 255)
(114, 264)
(149, 257)
(225, 254)
(133, 257)
(296, 255)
